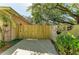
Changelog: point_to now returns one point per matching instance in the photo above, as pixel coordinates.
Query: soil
(7, 45)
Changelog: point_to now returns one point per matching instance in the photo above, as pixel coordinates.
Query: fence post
(53, 33)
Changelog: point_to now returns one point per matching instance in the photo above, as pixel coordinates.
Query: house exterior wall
(22, 29)
(7, 35)
(8, 32)
(25, 31)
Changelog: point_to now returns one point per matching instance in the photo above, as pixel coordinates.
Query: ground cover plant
(67, 44)
(2, 43)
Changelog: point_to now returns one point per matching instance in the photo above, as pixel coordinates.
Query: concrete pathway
(42, 46)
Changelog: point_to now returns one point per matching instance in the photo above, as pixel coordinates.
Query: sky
(20, 8)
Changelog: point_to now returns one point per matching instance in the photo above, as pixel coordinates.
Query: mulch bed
(7, 45)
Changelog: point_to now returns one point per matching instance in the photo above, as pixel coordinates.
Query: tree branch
(60, 7)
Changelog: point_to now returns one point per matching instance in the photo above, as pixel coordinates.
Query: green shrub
(2, 43)
(61, 28)
(75, 30)
(67, 44)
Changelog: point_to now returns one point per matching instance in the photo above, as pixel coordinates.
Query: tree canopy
(54, 12)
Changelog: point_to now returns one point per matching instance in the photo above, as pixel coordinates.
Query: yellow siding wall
(36, 31)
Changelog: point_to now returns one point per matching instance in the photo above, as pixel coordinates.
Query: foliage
(44, 12)
(61, 28)
(2, 43)
(73, 22)
(67, 44)
(6, 21)
(4, 17)
(0, 29)
(69, 19)
(14, 41)
(75, 30)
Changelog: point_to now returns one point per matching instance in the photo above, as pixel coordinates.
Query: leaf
(67, 43)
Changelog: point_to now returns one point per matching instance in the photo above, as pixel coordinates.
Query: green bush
(2, 43)
(75, 30)
(61, 28)
(67, 44)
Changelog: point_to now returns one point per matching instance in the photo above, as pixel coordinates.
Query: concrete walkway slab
(42, 46)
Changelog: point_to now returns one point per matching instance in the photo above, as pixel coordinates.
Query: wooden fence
(36, 31)
(27, 31)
